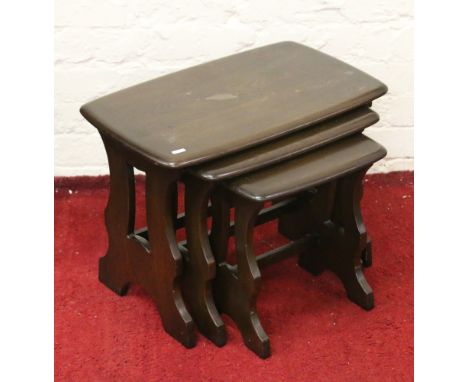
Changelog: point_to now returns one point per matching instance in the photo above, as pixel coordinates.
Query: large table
(242, 106)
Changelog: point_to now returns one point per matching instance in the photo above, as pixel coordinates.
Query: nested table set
(280, 124)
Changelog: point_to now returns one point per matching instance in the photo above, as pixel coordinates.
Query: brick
(398, 141)
(78, 45)
(87, 13)
(80, 149)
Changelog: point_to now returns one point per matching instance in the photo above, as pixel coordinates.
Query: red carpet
(316, 334)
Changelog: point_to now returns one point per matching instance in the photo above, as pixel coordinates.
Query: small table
(169, 125)
(325, 187)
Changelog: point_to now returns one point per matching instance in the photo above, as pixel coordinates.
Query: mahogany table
(168, 126)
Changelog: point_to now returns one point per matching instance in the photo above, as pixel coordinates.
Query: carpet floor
(316, 333)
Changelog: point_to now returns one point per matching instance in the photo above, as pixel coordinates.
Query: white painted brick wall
(103, 46)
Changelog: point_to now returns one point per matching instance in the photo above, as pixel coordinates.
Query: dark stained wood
(329, 232)
(298, 222)
(236, 291)
(343, 241)
(236, 287)
(272, 212)
(220, 231)
(150, 258)
(288, 146)
(342, 237)
(284, 251)
(316, 209)
(200, 266)
(227, 105)
(266, 214)
(334, 237)
(366, 256)
(351, 241)
(180, 222)
(165, 288)
(316, 215)
(308, 170)
(142, 232)
(286, 115)
(114, 268)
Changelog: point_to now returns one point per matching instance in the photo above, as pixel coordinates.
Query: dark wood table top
(309, 170)
(287, 147)
(227, 105)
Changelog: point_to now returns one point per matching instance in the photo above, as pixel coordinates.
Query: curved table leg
(342, 243)
(346, 262)
(200, 267)
(163, 279)
(114, 268)
(366, 256)
(236, 292)
(310, 219)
